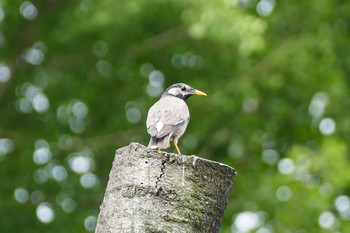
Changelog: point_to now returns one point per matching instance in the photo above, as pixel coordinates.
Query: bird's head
(182, 91)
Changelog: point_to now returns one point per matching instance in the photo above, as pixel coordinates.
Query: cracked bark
(150, 191)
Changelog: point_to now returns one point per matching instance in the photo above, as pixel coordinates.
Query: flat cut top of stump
(151, 191)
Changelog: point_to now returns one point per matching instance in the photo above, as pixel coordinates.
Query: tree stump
(150, 191)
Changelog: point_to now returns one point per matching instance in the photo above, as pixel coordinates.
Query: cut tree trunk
(150, 191)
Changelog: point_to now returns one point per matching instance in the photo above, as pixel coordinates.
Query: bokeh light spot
(34, 56)
(68, 205)
(197, 31)
(79, 109)
(24, 105)
(59, 173)
(75, 113)
(33, 98)
(284, 193)
(104, 68)
(62, 115)
(154, 91)
(191, 60)
(41, 176)
(326, 189)
(42, 79)
(342, 204)
(77, 125)
(42, 155)
(156, 78)
(88, 180)
(318, 104)
(246, 221)
(250, 105)
(265, 7)
(90, 223)
(6, 147)
(45, 213)
(40, 45)
(146, 69)
(100, 48)
(188, 59)
(21, 195)
(41, 103)
(327, 126)
(66, 202)
(133, 115)
(37, 197)
(28, 10)
(65, 142)
(30, 91)
(5, 73)
(235, 150)
(80, 164)
(286, 166)
(326, 220)
(270, 156)
(2, 14)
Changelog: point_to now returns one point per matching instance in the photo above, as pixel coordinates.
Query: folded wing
(166, 116)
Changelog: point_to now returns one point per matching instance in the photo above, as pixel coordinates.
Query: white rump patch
(159, 126)
(179, 122)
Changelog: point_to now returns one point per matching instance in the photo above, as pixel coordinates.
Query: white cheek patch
(159, 126)
(173, 91)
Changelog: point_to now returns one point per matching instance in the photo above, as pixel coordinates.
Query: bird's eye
(183, 88)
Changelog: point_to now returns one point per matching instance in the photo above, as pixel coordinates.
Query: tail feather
(161, 143)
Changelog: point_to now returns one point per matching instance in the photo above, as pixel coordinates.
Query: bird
(168, 118)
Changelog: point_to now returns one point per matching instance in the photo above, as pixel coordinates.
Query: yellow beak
(200, 93)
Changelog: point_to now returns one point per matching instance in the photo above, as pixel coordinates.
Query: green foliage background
(84, 73)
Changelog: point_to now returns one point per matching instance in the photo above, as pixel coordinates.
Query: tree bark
(158, 192)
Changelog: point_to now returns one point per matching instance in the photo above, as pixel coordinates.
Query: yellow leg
(177, 148)
(158, 149)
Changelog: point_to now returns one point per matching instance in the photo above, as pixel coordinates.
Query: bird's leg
(176, 147)
(158, 149)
